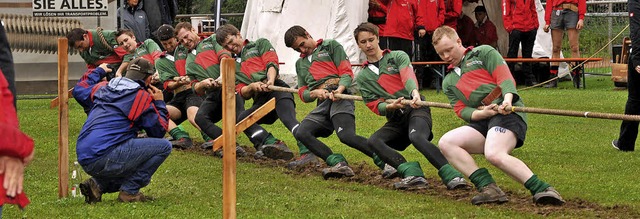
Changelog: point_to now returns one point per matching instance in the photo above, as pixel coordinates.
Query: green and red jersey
(204, 61)
(255, 58)
(166, 67)
(327, 61)
(148, 50)
(99, 53)
(481, 70)
(392, 78)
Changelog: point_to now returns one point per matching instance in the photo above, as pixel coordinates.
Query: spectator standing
(466, 30)
(628, 129)
(402, 17)
(453, 9)
(430, 17)
(133, 17)
(520, 20)
(486, 33)
(561, 16)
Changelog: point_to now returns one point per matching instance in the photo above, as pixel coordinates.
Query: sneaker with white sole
(389, 172)
(339, 170)
(457, 183)
(548, 197)
(411, 183)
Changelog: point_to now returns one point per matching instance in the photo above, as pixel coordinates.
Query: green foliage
(572, 154)
(208, 7)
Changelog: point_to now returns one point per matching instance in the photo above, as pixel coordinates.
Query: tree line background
(209, 7)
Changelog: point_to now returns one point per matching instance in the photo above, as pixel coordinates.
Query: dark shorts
(511, 122)
(563, 19)
(263, 97)
(325, 110)
(183, 101)
(398, 122)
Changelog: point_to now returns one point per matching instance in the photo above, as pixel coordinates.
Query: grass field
(572, 154)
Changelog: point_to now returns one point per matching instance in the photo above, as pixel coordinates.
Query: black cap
(139, 69)
(480, 8)
(165, 32)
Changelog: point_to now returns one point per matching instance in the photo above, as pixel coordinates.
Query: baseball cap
(139, 69)
(165, 32)
(480, 8)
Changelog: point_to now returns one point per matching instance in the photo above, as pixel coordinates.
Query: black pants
(527, 40)
(425, 52)
(210, 112)
(629, 130)
(309, 132)
(393, 43)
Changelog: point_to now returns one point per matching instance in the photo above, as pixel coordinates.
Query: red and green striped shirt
(204, 61)
(327, 61)
(481, 70)
(394, 78)
(99, 53)
(255, 58)
(148, 50)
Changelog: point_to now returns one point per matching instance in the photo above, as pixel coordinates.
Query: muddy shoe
(304, 159)
(276, 151)
(182, 143)
(207, 145)
(138, 197)
(457, 183)
(548, 197)
(338, 171)
(389, 172)
(91, 191)
(240, 152)
(490, 194)
(411, 183)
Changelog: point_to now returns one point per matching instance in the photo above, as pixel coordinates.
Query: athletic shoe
(338, 171)
(457, 183)
(389, 172)
(138, 197)
(490, 194)
(182, 143)
(276, 151)
(548, 197)
(91, 191)
(304, 159)
(207, 145)
(411, 183)
(240, 152)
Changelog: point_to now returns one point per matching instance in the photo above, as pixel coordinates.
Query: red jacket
(402, 15)
(377, 10)
(554, 4)
(519, 15)
(430, 15)
(453, 9)
(13, 142)
(486, 33)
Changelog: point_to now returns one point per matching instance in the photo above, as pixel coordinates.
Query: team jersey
(392, 79)
(481, 70)
(99, 53)
(255, 58)
(327, 61)
(148, 50)
(204, 61)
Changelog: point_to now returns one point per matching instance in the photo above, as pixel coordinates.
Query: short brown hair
(225, 31)
(125, 31)
(292, 33)
(182, 25)
(441, 31)
(366, 27)
(75, 35)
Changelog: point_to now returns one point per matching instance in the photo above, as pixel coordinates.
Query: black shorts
(563, 19)
(263, 97)
(183, 101)
(511, 122)
(398, 122)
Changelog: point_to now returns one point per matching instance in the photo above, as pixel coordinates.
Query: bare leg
(498, 147)
(574, 37)
(458, 150)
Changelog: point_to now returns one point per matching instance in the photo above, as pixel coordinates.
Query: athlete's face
(188, 38)
(170, 44)
(127, 42)
(449, 50)
(304, 45)
(234, 43)
(368, 43)
(83, 44)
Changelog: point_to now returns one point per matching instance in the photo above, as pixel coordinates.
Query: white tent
(336, 19)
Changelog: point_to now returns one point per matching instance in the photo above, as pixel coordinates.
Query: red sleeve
(506, 15)
(441, 11)
(582, 8)
(13, 142)
(547, 12)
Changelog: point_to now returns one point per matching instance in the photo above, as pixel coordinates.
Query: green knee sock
(535, 185)
(447, 173)
(410, 169)
(378, 161)
(270, 139)
(303, 149)
(176, 133)
(481, 178)
(334, 159)
(205, 137)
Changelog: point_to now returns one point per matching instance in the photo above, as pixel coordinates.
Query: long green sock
(335, 159)
(303, 149)
(378, 161)
(205, 137)
(270, 139)
(410, 169)
(447, 173)
(535, 185)
(176, 133)
(481, 178)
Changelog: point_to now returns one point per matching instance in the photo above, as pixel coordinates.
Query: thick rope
(596, 115)
(581, 64)
(103, 40)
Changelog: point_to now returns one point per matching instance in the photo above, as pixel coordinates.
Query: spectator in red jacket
(561, 15)
(377, 14)
(430, 17)
(401, 20)
(453, 9)
(520, 20)
(485, 33)
(16, 150)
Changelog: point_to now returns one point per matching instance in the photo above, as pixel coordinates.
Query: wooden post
(228, 70)
(63, 118)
